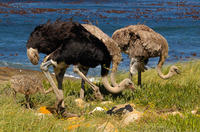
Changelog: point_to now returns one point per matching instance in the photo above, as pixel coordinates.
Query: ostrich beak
(131, 86)
(33, 55)
(177, 71)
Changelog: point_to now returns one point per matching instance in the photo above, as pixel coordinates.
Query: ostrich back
(122, 35)
(88, 52)
(26, 84)
(69, 42)
(148, 44)
(111, 45)
(140, 41)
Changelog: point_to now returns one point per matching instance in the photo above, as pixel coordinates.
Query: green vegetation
(180, 93)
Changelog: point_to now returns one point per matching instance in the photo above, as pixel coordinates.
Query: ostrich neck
(159, 67)
(112, 79)
(168, 75)
(116, 89)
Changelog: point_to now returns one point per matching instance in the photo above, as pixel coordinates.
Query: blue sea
(177, 20)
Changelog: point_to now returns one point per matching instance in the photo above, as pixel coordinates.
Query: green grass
(180, 93)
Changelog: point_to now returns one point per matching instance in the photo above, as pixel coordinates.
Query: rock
(107, 127)
(131, 117)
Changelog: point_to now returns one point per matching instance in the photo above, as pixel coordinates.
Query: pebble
(131, 117)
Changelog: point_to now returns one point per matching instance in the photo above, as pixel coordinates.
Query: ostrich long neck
(159, 67)
(112, 79)
(116, 89)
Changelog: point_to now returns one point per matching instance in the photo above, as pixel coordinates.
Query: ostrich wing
(111, 45)
(123, 38)
(149, 44)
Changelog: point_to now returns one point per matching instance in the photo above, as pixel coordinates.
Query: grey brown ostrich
(141, 42)
(27, 85)
(69, 43)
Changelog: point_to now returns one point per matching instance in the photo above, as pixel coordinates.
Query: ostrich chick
(27, 85)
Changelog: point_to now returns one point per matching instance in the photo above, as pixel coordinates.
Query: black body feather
(71, 43)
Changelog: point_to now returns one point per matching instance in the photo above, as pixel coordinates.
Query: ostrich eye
(130, 83)
(177, 71)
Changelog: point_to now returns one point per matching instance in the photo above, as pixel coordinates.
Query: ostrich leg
(84, 70)
(28, 100)
(139, 78)
(59, 71)
(133, 68)
(14, 95)
(94, 87)
(44, 67)
(59, 93)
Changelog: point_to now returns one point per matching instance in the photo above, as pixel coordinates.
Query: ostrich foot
(28, 105)
(62, 112)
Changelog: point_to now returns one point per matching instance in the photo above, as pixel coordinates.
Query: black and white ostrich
(67, 43)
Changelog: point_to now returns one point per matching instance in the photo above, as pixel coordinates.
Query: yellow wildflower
(105, 108)
(43, 110)
(73, 126)
(73, 118)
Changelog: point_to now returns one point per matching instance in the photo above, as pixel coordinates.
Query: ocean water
(177, 20)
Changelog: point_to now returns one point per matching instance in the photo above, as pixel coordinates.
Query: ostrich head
(33, 45)
(129, 84)
(125, 84)
(33, 55)
(174, 70)
(44, 39)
